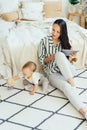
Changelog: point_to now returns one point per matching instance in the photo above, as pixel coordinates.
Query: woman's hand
(72, 57)
(49, 58)
(52, 57)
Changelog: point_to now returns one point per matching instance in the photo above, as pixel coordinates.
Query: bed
(21, 34)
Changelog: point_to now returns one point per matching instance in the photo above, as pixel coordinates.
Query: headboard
(52, 9)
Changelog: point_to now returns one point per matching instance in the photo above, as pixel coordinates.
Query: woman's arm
(42, 52)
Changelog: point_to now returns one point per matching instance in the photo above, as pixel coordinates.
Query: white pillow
(8, 6)
(32, 15)
(33, 6)
(32, 10)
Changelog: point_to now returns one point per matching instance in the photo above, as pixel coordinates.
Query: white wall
(65, 8)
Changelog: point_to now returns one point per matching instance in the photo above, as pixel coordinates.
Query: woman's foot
(83, 112)
(71, 81)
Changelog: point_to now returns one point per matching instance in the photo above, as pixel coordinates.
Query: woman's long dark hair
(63, 34)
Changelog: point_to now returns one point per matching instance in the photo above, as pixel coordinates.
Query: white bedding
(20, 43)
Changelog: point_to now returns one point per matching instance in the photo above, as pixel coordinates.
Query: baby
(30, 77)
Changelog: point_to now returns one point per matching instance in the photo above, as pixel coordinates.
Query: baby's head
(28, 68)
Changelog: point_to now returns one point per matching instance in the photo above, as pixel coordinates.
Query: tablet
(68, 52)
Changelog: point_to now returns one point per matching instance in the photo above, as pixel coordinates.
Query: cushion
(32, 6)
(8, 6)
(11, 16)
(32, 10)
(52, 9)
(31, 15)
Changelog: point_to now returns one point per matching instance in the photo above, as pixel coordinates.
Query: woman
(57, 66)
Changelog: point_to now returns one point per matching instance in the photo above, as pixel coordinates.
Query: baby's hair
(28, 64)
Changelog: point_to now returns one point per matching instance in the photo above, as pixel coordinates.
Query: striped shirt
(45, 49)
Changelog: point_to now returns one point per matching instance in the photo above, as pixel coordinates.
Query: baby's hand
(34, 89)
(10, 82)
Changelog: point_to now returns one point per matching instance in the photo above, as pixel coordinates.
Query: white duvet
(20, 44)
